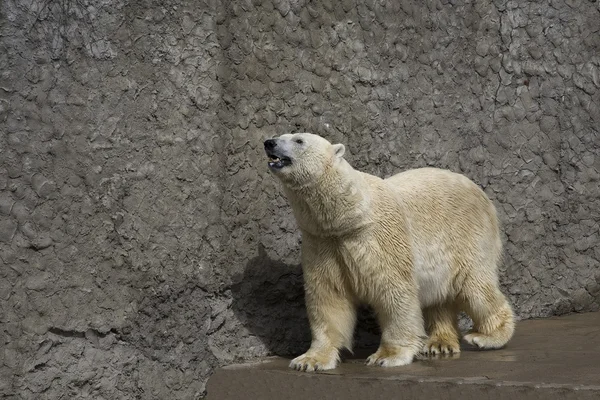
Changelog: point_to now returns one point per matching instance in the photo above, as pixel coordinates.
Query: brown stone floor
(548, 358)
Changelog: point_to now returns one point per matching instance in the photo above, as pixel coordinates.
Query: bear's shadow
(268, 299)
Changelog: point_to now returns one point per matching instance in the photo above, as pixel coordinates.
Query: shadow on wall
(269, 300)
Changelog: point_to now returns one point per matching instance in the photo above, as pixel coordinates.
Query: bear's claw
(391, 358)
(314, 362)
(435, 347)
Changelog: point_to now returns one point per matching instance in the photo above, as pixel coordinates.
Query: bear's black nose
(270, 144)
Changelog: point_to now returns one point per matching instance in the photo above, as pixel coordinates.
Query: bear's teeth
(274, 159)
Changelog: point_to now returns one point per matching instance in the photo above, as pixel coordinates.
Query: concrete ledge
(554, 358)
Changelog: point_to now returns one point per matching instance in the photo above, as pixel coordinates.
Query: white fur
(418, 247)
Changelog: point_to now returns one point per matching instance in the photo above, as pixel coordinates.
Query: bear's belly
(368, 265)
(433, 274)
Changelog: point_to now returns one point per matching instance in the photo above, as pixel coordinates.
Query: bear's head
(300, 158)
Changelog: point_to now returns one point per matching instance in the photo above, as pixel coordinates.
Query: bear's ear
(339, 150)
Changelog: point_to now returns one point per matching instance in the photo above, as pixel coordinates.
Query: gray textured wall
(142, 240)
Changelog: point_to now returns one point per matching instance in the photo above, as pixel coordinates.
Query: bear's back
(437, 191)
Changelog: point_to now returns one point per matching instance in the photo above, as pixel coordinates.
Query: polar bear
(418, 247)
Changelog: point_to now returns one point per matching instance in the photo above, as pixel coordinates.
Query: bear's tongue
(275, 162)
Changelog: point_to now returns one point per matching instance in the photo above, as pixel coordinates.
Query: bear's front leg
(330, 306)
(402, 329)
(332, 318)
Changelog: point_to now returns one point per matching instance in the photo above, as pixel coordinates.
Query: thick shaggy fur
(418, 247)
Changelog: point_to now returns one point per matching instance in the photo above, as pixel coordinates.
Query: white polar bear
(418, 247)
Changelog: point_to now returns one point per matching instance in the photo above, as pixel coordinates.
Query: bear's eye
(299, 141)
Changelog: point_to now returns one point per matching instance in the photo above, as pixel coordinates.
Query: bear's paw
(313, 362)
(483, 341)
(391, 356)
(435, 346)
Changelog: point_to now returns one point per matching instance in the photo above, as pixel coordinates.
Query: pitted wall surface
(143, 242)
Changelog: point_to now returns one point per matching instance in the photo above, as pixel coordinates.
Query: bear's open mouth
(278, 162)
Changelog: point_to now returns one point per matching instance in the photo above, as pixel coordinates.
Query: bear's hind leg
(441, 325)
(493, 318)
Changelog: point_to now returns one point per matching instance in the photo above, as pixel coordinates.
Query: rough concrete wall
(142, 239)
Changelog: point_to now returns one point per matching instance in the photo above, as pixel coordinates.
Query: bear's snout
(270, 144)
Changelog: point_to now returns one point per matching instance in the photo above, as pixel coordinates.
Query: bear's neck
(337, 204)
